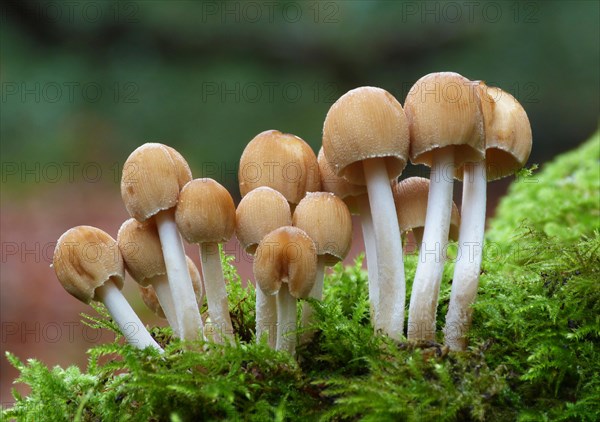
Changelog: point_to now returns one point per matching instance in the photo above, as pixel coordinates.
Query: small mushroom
(260, 212)
(89, 265)
(410, 197)
(327, 220)
(366, 140)
(286, 265)
(153, 176)
(508, 141)
(446, 130)
(205, 216)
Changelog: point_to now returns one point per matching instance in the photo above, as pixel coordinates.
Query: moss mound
(534, 351)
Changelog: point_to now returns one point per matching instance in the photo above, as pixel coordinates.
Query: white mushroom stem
(432, 252)
(370, 251)
(180, 282)
(315, 293)
(163, 293)
(389, 312)
(266, 316)
(286, 320)
(468, 265)
(129, 323)
(216, 293)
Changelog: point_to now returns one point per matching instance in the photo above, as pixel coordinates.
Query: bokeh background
(86, 82)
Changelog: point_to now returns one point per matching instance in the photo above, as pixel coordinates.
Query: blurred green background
(83, 83)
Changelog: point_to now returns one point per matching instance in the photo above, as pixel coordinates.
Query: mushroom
(88, 264)
(153, 175)
(355, 197)
(327, 220)
(366, 140)
(205, 215)
(280, 161)
(260, 212)
(508, 145)
(446, 130)
(410, 197)
(286, 265)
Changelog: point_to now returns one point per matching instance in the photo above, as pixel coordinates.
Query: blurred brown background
(85, 82)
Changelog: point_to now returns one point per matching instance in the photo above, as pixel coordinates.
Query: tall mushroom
(205, 215)
(327, 220)
(355, 197)
(410, 197)
(286, 265)
(88, 264)
(508, 145)
(153, 175)
(366, 140)
(446, 130)
(260, 212)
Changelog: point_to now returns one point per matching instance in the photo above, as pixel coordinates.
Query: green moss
(534, 351)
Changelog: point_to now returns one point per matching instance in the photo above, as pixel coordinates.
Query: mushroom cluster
(294, 217)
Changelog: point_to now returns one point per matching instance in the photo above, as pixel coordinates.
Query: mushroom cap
(444, 111)
(508, 137)
(327, 220)
(205, 212)
(260, 212)
(331, 182)
(286, 255)
(366, 122)
(84, 259)
(151, 299)
(153, 175)
(280, 161)
(140, 246)
(411, 197)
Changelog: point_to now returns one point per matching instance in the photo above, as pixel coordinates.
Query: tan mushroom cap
(205, 212)
(151, 299)
(84, 259)
(366, 122)
(286, 255)
(411, 197)
(153, 175)
(280, 161)
(508, 133)
(140, 246)
(260, 212)
(444, 111)
(331, 182)
(327, 220)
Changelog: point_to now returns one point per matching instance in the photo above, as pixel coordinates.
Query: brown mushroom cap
(327, 220)
(287, 254)
(153, 175)
(280, 161)
(151, 299)
(364, 123)
(205, 212)
(84, 259)
(444, 111)
(508, 137)
(260, 212)
(140, 246)
(411, 197)
(331, 182)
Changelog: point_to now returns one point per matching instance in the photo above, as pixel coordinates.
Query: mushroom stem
(163, 293)
(389, 313)
(180, 282)
(286, 320)
(432, 251)
(468, 265)
(315, 293)
(266, 316)
(129, 323)
(214, 286)
(370, 250)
